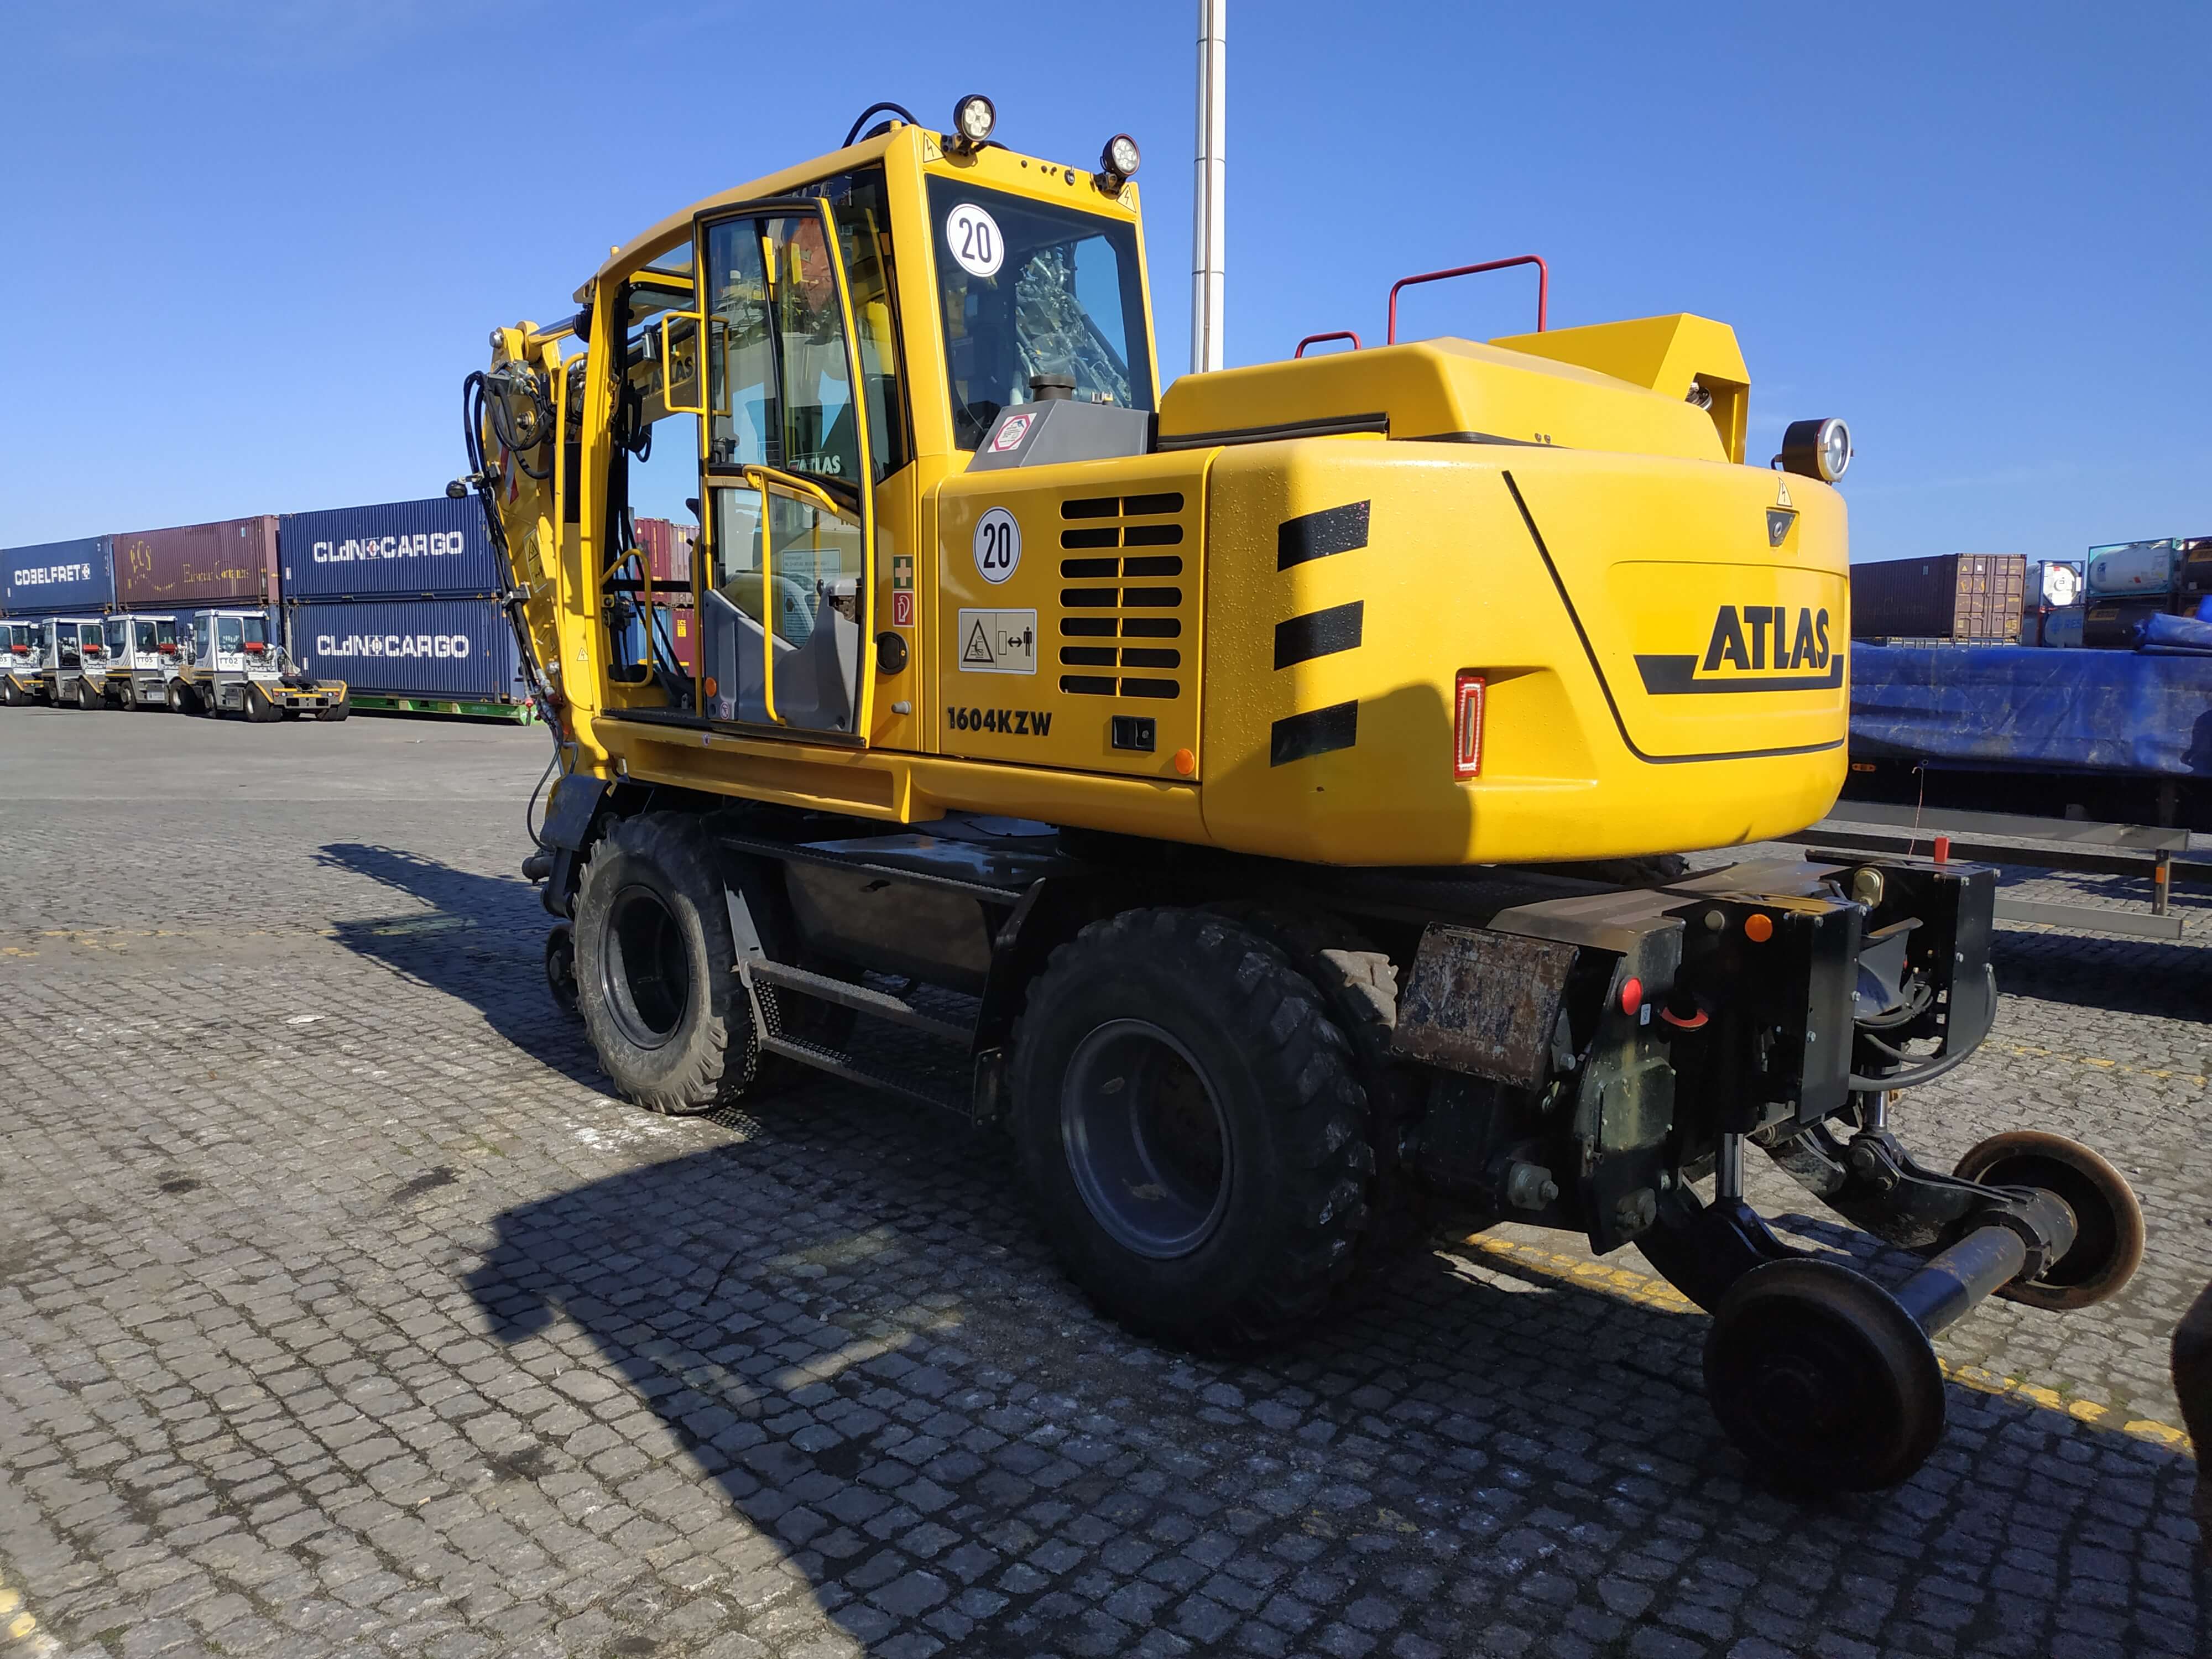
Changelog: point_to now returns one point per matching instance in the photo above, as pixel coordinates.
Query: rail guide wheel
(1822, 1378)
(2108, 1242)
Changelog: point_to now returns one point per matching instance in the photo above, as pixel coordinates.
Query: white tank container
(2133, 567)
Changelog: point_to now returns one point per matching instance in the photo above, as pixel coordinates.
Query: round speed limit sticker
(973, 237)
(998, 546)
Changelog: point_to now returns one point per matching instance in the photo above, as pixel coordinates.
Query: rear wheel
(88, 695)
(2108, 1239)
(259, 708)
(12, 693)
(1189, 1121)
(338, 710)
(183, 699)
(655, 968)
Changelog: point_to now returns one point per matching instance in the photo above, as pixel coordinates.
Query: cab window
(228, 634)
(1028, 288)
(119, 636)
(257, 629)
(200, 637)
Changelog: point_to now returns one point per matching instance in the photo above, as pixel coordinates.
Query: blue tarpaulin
(2016, 706)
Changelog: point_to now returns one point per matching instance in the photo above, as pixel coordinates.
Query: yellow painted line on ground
(2030, 1051)
(20, 1627)
(1629, 1285)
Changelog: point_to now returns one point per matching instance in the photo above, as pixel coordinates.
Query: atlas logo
(1752, 647)
(1741, 638)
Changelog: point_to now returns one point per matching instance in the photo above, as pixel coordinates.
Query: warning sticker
(902, 573)
(901, 610)
(998, 642)
(1012, 431)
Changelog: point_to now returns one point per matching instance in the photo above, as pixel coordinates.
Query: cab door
(786, 478)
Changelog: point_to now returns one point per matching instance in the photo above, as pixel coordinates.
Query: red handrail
(1333, 334)
(1543, 286)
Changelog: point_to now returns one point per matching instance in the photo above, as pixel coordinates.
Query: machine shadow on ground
(2166, 981)
(848, 1320)
(480, 940)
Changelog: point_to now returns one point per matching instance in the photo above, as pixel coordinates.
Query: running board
(881, 1003)
(839, 1064)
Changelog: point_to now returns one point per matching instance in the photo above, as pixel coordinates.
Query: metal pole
(1208, 233)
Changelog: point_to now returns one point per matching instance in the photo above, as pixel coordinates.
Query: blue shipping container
(457, 648)
(391, 551)
(57, 576)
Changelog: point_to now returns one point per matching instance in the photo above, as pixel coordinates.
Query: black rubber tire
(338, 710)
(1822, 1380)
(183, 699)
(87, 697)
(258, 709)
(2108, 1247)
(560, 967)
(1290, 1198)
(11, 695)
(655, 968)
(1358, 984)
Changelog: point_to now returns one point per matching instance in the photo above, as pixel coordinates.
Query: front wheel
(258, 709)
(1190, 1122)
(655, 979)
(88, 695)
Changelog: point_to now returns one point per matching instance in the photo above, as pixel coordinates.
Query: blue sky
(255, 247)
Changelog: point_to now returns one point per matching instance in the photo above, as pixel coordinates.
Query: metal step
(913, 1086)
(880, 1004)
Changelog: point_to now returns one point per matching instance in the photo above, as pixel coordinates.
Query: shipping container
(1958, 596)
(461, 650)
(230, 563)
(436, 548)
(2134, 570)
(2118, 624)
(2052, 583)
(668, 549)
(57, 576)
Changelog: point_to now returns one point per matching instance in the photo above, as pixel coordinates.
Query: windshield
(227, 634)
(257, 629)
(1028, 289)
(119, 636)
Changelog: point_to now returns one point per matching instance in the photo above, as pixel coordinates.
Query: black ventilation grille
(1144, 585)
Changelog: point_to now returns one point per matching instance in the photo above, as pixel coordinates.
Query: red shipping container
(667, 547)
(233, 563)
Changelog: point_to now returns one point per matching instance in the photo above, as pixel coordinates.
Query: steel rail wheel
(2108, 1241)
(1822, 1379)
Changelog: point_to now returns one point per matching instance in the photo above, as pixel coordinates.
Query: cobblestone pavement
(342, 1312)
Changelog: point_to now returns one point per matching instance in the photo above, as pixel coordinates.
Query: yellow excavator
(1263, 792)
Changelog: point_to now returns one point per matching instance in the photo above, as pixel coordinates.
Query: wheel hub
(645, 972)
(1145, 1138)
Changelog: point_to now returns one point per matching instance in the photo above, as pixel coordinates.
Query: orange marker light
(1758, 929)
(711, 689)
(1185, 763)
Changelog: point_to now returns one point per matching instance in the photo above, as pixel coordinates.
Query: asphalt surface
(343, 1311)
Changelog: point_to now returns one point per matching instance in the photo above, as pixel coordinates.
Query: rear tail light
(1466, 725)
